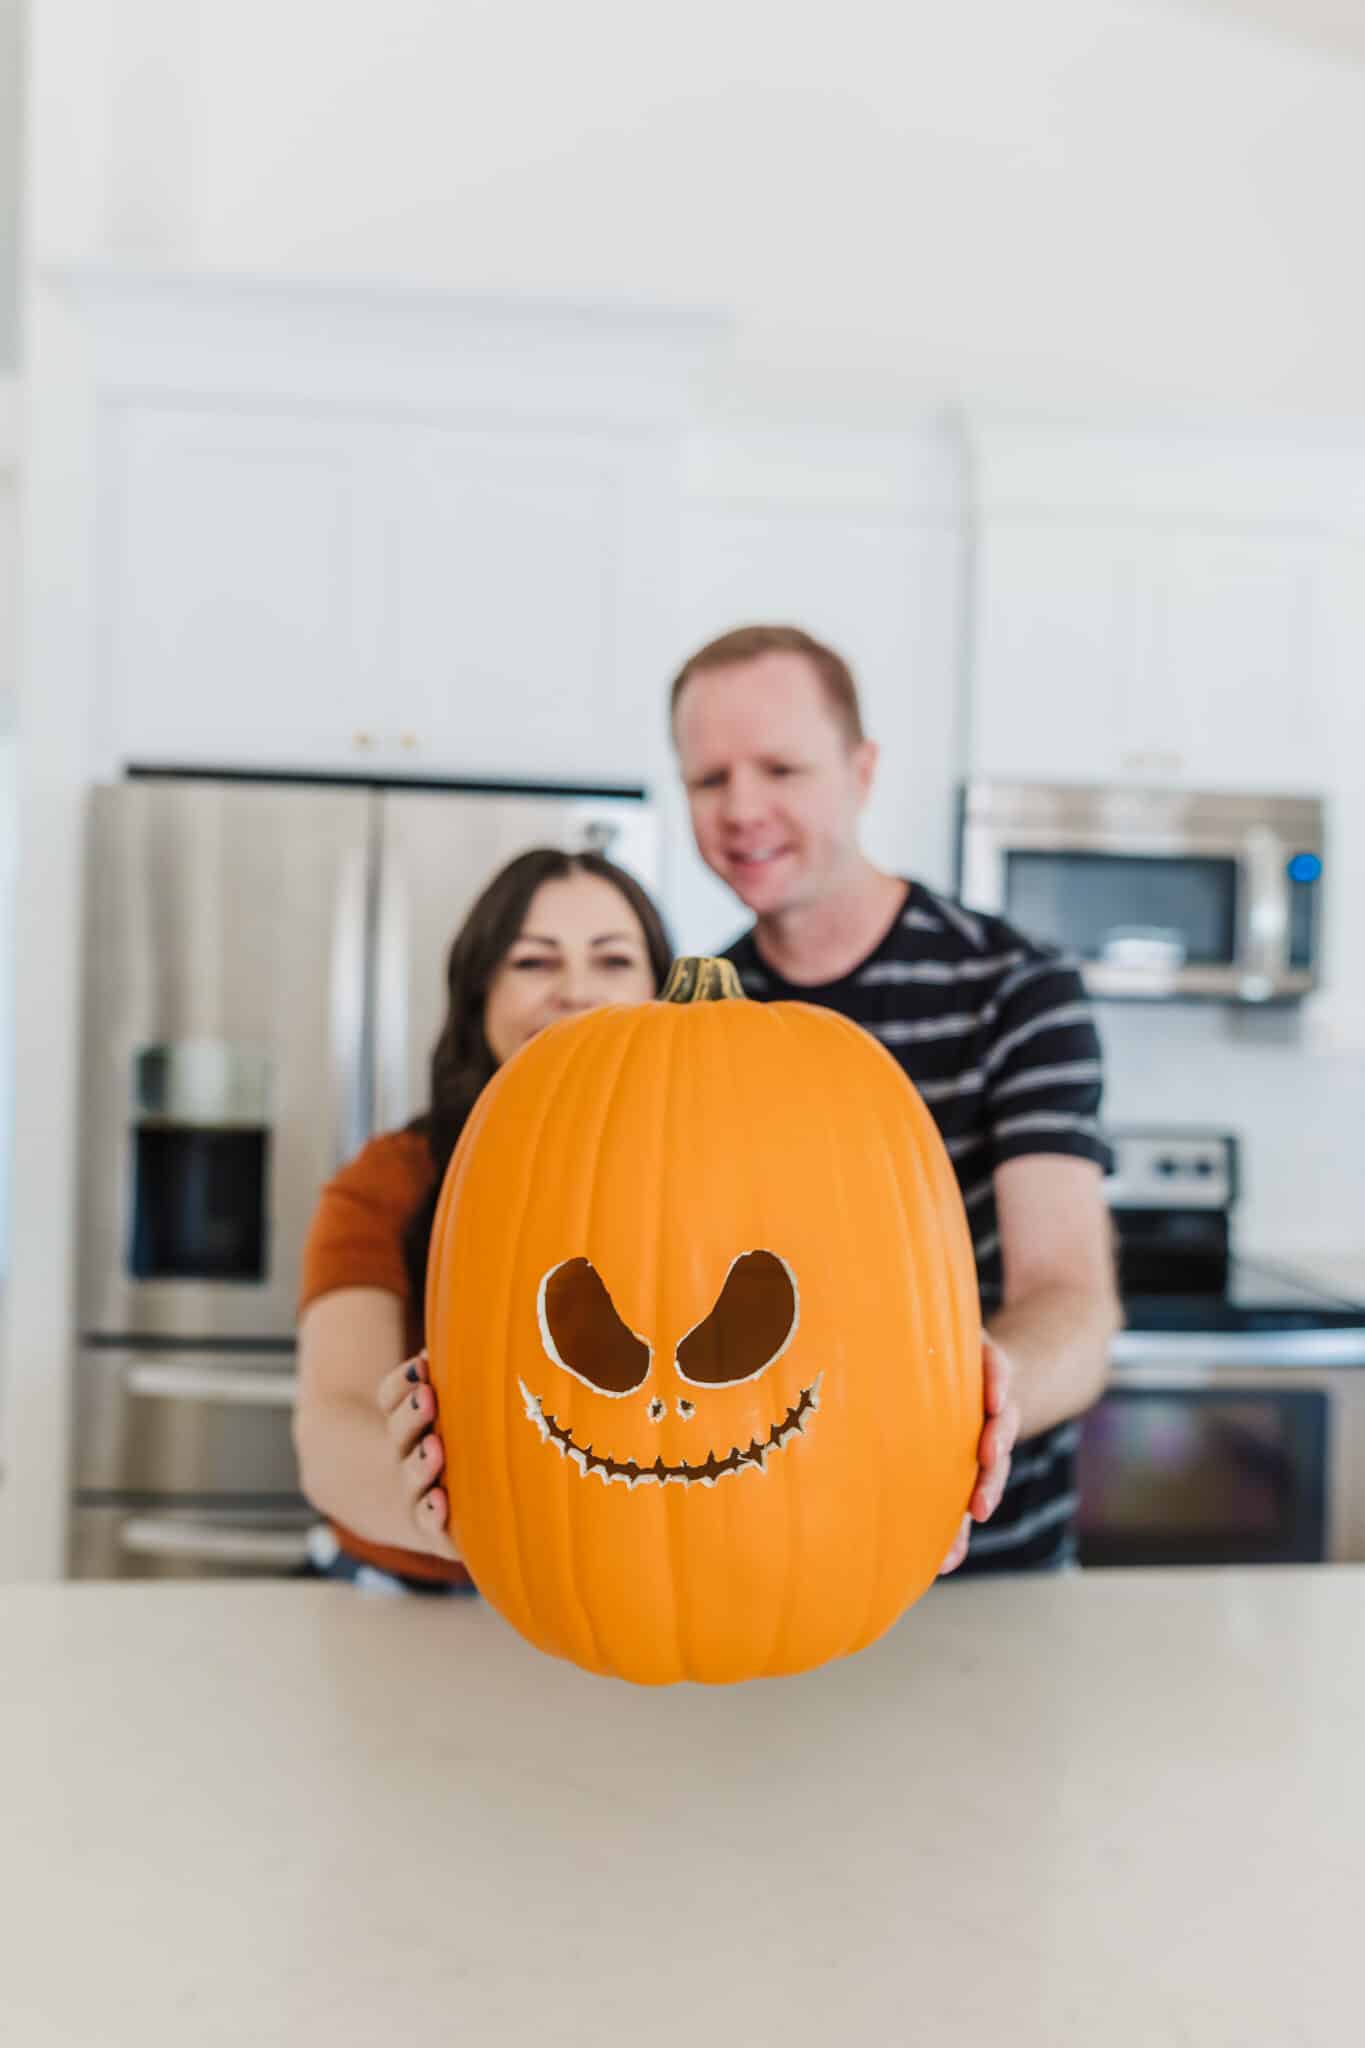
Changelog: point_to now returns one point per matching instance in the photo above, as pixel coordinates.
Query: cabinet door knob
(408, 741)
(362, 741)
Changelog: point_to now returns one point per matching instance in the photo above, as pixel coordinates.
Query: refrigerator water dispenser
(201, 1160)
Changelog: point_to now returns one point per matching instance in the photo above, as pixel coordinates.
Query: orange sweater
(355, 1240)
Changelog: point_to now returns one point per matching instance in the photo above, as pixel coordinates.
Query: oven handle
(172, 1380)
(162, 1537)
(1242, 1376)
(1255, 1357)
(1186, 1373)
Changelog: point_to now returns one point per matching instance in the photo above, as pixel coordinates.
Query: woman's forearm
(350, 1469)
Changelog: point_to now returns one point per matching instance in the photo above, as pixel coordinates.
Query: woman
(553, 934)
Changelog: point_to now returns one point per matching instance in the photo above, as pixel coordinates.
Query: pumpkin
(703, 1326)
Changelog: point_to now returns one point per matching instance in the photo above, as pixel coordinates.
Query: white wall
(9, 547)
(9, 663)
(1299, 1111)
(1074, 202)
(11, 153)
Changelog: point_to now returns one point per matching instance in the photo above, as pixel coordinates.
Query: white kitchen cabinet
(1228, 682)
(404, 533)
(240, 589)
(521, 593)
(1117, 652)
(1054, 653)
(303, 594)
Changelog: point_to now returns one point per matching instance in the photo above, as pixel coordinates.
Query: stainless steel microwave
(1158, 892)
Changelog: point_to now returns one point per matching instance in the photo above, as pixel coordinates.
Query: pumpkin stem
(694, 979)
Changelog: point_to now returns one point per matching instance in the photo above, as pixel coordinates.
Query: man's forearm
(1057, 1338)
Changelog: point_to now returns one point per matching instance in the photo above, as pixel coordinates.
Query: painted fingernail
(412, 1374)
(415, 1402)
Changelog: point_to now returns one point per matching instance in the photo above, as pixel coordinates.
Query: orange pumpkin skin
(662, 1143)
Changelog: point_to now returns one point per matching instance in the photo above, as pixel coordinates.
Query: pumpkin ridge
(675, 1536)
(779, 1650)
(562, 1071)
(931, 1288)
(838, 1194)
(603, 1060)
(903, 1161)
(717, 1051)
(948, 1197)
(913, 1367)
(667, 1027)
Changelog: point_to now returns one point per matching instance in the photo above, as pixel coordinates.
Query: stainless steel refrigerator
(265, 978)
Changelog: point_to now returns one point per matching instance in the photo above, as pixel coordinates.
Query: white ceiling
(1337, 25)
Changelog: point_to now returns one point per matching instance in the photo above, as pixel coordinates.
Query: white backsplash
(1299, 1113)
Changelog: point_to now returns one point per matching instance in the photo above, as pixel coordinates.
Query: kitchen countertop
(1123, 1807)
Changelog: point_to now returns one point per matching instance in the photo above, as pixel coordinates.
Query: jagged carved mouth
(631, 1473)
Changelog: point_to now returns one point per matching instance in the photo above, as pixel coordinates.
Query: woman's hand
(407, 1400)
(995, 1449)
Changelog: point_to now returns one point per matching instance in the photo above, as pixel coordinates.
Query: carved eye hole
(582, 1332)
(750, 1326)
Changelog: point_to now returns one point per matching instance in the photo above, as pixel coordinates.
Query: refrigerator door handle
(350, 1108)
(203, 1543)
(171, 1380)
(393, 974)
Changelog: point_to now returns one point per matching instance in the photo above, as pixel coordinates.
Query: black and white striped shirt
(997, 1035)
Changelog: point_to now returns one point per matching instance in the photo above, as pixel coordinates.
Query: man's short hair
(746, 643)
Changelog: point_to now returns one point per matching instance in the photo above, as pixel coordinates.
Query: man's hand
(995, 1449)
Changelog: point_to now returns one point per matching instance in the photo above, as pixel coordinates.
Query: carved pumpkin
(703, 1326)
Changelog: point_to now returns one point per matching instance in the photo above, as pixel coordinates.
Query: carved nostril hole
(582, 1331)
(752, 1323)
(657, 1410)
(687, 1410)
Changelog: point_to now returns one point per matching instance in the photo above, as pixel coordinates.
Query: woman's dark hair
(462, 1062)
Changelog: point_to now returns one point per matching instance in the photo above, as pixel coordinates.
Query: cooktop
(1269, 1319)
(1185, 1289)
(1261, 1298)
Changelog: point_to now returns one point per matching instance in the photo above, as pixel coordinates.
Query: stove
(1172, 1196)
(1232, 1429)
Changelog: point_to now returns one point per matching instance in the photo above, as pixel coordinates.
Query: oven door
(1185, 1465)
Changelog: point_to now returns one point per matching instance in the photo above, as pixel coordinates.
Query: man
(993, 1030)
